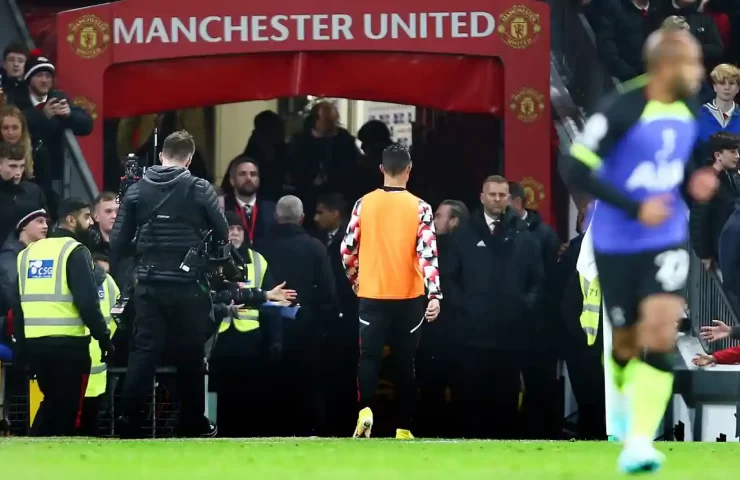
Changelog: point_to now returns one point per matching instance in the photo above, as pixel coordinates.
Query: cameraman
(171, 210)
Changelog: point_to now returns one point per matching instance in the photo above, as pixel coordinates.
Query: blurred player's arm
(580, 168)
(426, 251)
(350, 247)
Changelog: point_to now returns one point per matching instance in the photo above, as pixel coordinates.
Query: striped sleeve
(426, 250)
(350, 246)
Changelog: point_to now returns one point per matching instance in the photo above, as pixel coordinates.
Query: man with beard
(59, 312)
(240, 187)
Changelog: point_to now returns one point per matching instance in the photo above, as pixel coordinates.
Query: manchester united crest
(88, 36)
(519, 26)
(87, 105)
(534, 192)
(527, 104)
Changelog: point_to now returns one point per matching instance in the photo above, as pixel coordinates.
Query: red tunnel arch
(487, 56)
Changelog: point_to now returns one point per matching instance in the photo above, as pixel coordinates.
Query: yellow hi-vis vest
(591, 308)
(249, 317)
(98, 381)
(48, 309)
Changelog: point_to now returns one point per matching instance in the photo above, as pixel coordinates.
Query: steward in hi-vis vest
(240, 356)
(97, 382)
(59, 313)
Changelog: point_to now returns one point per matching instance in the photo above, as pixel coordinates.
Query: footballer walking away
(390, 257)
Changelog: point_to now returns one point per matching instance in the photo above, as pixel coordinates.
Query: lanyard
(249, 228)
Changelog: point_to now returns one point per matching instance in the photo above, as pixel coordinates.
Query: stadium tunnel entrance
(487, 57)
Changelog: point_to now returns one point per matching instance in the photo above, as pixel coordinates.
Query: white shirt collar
(490, 221)
(242, 203)
(647, 5)
(35, 102)
(526, 213)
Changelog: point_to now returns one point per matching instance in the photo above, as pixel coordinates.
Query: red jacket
(728, 356)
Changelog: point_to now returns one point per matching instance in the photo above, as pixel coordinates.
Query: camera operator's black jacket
(179, 223)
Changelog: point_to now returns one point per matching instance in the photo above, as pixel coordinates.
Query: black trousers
(242, 398)
(397, 323)
(176, 316)
(89, 417)
(61, 371)
(586, 374)
(437, 371)
(542, 408)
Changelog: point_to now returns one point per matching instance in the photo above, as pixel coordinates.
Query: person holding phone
(49, 113)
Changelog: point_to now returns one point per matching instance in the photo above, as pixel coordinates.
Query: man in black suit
(240, 187)
(301, 260)
(341, 345)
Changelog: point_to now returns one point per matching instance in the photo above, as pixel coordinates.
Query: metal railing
(78, 180)
(708, 302)
(576, 56)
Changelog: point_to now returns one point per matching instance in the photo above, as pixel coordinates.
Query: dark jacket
(499, 280)
(547, 238)
(166, 236)
(439, 334)
(9, 274)
(346, 329)
(301, 260)
(12, 198)
(12, 87)
(262, 223)
(707, 219)
(48, 134)
(729, 258)
(84, 290)
(703, 28)
(621, 33)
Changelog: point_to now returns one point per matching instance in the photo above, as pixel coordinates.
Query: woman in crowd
(14, 130)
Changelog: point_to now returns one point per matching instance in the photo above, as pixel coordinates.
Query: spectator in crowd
(267, 146)
(11, 71)
(702, 26)
(303, 263)
(31, 224)
(13, 130)
(707, 219)
(324, 155)
(14, 190)
(341, 348)
(497, 272)
(241, 187)
(105, 209)
(438, 356)
(621, 31)
(165, 124)
(721, 113)
(49, 113)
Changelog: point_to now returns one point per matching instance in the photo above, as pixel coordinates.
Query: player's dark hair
(395, 159)
(721, 141)
(457, 210)
(516, 191)
(178, 146)
(12, 151)
(333, 202)
(15, 47)
(71, 206)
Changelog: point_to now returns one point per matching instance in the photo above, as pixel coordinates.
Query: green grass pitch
(278, 459)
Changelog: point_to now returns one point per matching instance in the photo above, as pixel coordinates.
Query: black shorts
(627, 279)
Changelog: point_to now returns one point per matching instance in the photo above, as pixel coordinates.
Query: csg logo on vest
(101, 293)
(41, 269)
